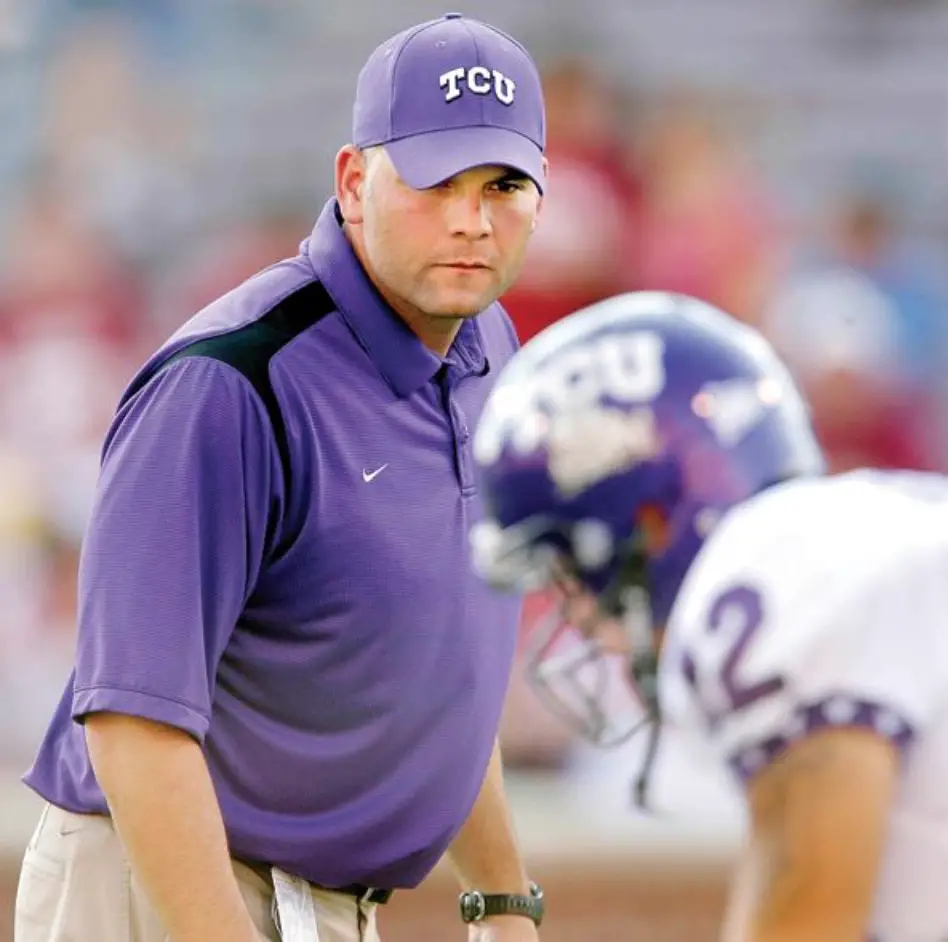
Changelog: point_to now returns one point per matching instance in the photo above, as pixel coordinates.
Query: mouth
(465, 266)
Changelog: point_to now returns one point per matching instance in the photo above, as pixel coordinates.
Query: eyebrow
(511, 176)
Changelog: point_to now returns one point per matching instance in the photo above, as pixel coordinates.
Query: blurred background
(783, 161)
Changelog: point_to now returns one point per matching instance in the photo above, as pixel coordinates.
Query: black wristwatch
(476, 906)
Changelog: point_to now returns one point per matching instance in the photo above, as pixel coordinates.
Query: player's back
(824, 603)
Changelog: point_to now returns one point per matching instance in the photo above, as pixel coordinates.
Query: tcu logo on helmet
(628, 369)
(479, 80)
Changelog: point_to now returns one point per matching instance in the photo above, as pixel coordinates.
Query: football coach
(288, 683)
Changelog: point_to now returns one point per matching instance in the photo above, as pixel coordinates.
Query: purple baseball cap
(449, 95)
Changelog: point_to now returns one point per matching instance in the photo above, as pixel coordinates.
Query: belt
(363, 893)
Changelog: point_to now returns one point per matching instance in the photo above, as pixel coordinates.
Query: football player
(652, 458)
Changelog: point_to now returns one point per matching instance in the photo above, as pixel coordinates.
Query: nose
(468, 213)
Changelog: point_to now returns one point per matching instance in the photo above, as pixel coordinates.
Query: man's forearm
(484, 855)
(162, 801)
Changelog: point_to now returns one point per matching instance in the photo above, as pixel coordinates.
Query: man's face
(451, 250)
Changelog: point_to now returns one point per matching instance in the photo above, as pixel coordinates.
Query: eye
(509, 185)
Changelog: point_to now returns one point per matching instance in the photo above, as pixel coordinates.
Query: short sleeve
(757, 671)
(175, 543)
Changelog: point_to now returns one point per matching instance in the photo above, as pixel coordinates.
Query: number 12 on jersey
(735, 617)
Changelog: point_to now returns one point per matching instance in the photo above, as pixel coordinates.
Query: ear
(546, 177)
(350, 182)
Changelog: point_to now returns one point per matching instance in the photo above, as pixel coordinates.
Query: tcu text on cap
(481, 81)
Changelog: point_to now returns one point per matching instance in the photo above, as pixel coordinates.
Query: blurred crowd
(108, 244)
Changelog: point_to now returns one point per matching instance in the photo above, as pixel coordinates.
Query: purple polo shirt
(277, 563)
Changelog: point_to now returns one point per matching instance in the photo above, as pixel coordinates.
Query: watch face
(473, 906)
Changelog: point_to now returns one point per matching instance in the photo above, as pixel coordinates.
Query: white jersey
(820, 603)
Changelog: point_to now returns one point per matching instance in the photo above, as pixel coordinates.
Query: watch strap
(476, 906)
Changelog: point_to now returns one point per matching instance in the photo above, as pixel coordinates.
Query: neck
(436, 332)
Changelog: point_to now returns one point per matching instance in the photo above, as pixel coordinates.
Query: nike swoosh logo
(372, 475)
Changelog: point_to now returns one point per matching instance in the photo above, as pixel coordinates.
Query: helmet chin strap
(640, 789)
(628, 597)
(643, 672)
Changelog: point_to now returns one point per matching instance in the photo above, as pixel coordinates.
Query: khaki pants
(76, 886)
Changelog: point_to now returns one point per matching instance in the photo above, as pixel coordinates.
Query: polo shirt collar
(405, 362)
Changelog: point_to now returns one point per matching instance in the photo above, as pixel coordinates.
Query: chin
(452, 295)
(460, 304)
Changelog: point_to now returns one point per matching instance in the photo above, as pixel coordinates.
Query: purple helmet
(644, 403)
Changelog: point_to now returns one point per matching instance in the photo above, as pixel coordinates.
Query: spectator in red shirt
(582, 250)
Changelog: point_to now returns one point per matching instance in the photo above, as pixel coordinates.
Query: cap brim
(425, 160)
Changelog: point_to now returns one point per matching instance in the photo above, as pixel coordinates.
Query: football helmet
(647, 408)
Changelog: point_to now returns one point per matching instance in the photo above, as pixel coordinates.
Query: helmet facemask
(586, 649)
(591, 657)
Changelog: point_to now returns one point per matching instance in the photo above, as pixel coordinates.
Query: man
(653, 457)
(288, 684)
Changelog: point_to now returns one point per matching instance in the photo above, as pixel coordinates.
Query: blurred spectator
(230, 255)
(861, 325)
(59, 276)
(584, 246)
(841, 337)
(866, 235)
(33, 658)
(71, 316)
(707, 228)
(118, 141)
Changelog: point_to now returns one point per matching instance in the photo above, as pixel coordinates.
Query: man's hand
(503, 929)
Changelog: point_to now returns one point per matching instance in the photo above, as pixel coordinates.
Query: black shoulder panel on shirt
(249, 349)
